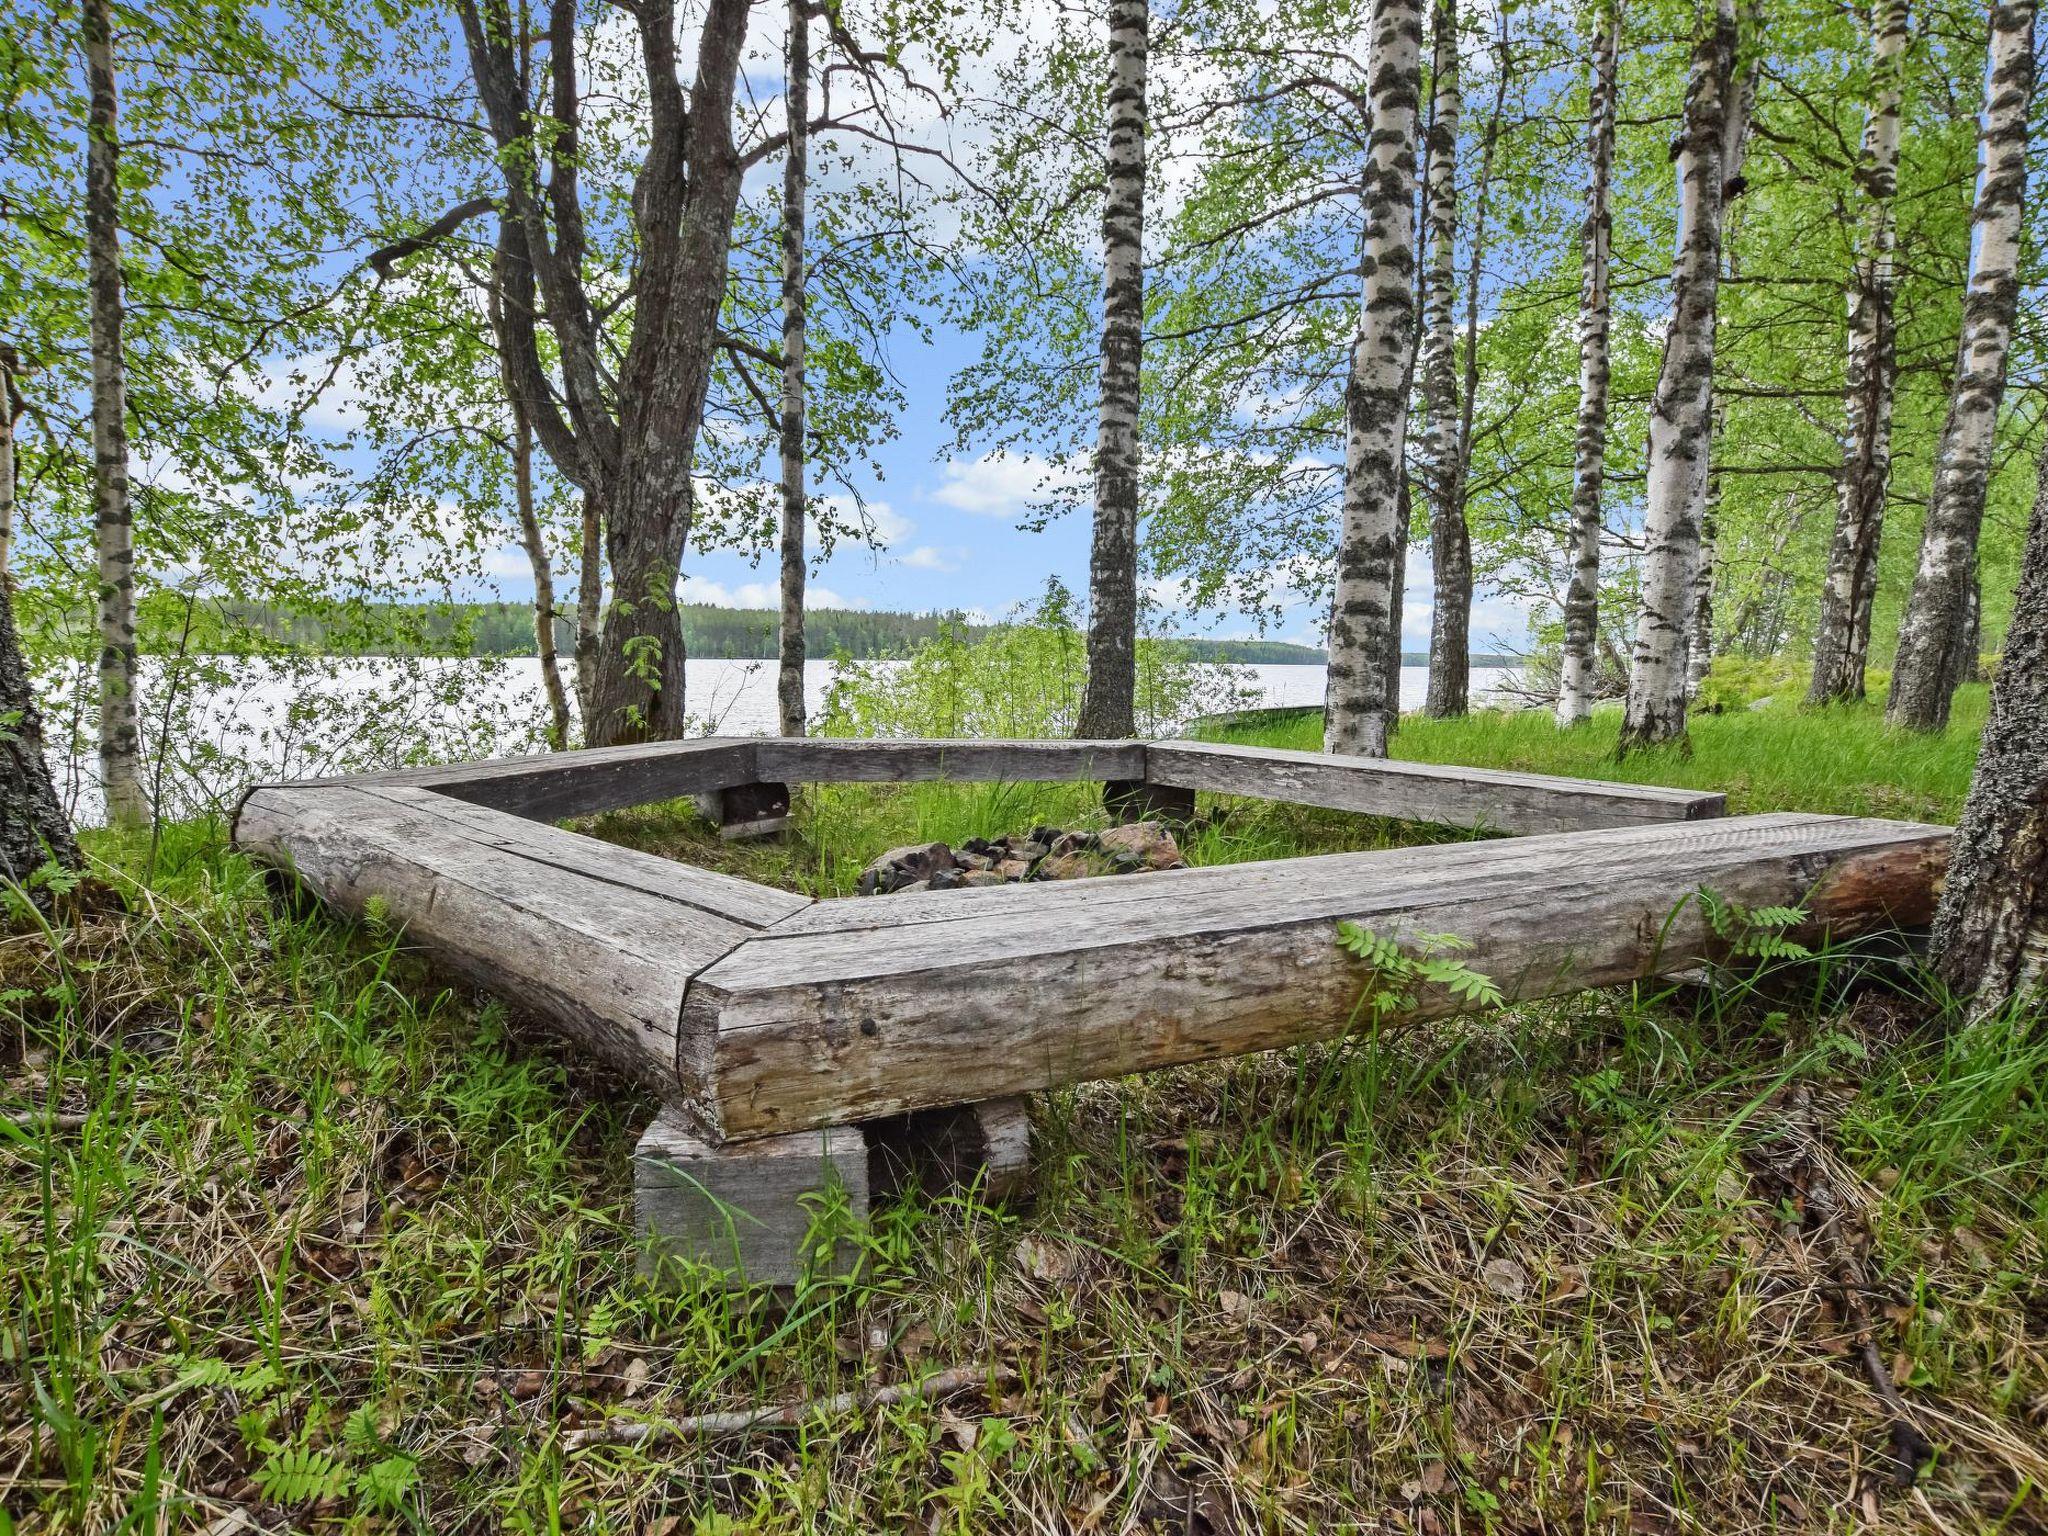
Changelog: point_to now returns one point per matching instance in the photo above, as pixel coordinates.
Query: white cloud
(928, 557)
(758, 594)
(1004, 485)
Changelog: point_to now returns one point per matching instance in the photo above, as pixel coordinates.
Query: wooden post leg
(985, 1148)
(1137, 800)
(760, 1210)
(746, 810)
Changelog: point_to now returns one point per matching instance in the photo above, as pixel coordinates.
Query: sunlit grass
(1843, 760)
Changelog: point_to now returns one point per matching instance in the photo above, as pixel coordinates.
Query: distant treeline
(506, 629)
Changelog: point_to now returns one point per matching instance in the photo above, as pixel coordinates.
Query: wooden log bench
(828, 1050)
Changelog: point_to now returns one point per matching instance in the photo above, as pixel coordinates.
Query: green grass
(315, 1239)
(1843, 760)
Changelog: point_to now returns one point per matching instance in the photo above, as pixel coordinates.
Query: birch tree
(120, 728)
(1108, 701)
(1699, 648)
(789, 676)
(1589, 440)
(1450, 542)
(1841, 644)
(1357, 714)
(1991, 929)
(1932, 633)
(1682, 408)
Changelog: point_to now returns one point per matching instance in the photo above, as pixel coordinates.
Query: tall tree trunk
(789, 676)
(1699, 648)
(1681, 410)
(33, 830)
(589, 610)
(120, 732)
(1589, 444)
(631, 446)
(1108, 701)
(1841, 642)
(1356, 713)
(1931, 633)
(512, 283)
(10, 412)
(1450, 543)
(1991, 929)
(1699, 644)
(543, 581)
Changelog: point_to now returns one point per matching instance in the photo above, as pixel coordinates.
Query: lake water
(233, 721)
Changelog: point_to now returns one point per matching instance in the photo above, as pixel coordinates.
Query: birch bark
(1450, 543)
(1681, 410)
(1931, 635)
(789, 676)
(1841, 644)
(1991, 929)
(1356, 711)
(1108, 700)
(120, 729)
(1699, 647)
(1589, 443)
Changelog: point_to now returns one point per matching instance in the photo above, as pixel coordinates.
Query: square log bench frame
(775, 1026)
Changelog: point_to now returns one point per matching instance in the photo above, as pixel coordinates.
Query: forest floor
(299, 1237)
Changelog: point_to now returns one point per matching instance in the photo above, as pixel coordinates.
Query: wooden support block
(744, 811)
(1139, 800)
(982, 1148)
(764, 1211)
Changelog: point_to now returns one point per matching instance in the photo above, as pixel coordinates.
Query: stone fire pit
(1043, 853)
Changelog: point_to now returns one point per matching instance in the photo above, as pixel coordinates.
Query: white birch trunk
(789, 676)
(1356, 711)
(1699, 648)
(1681, 410)
(1450, 544)
(1931, 635)
(1589, 444)
(1108, 701)
(1841, 644)
(120, 730)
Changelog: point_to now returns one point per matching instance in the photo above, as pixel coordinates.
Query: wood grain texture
(548, 786)
(728, 896)
(605, 964)
(1459, 797)
(855, 1010)
(748, 1210)
(834, 761)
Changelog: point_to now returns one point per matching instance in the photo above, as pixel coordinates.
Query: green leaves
(1399, 975)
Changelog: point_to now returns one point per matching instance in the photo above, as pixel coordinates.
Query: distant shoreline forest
(710, 633)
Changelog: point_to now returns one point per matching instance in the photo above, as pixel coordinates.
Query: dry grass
(322, 1245)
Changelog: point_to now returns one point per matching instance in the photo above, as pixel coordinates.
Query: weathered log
(603, 960)
(547, 786)
(831, 760)
(1459, 797)
(852, 1011)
